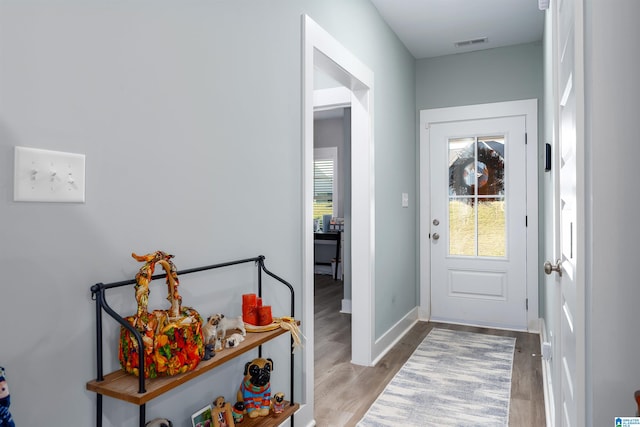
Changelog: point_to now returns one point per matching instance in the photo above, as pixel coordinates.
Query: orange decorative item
(173, 341)
(264, 315)
(250, 308)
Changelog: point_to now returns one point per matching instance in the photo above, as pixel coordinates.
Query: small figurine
(255, 389)
(208, 351)
(159, 422)
(210, 330)
(225, 324)
(221, 413)
(218, 344)
(278, 403)
(6, 420)
(234, 340)
(238, 412)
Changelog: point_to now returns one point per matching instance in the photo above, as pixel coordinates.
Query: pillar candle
(249, 300)
(249, 309)
(264, 315)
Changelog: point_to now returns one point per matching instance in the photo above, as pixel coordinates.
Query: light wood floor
(344, 392)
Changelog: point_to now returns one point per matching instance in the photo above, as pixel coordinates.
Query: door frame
(527, 108)
(321, 51)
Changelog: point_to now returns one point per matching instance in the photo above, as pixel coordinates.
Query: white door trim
(321, 51)
(528, 108)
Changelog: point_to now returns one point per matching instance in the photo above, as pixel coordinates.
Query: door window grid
(477, 199)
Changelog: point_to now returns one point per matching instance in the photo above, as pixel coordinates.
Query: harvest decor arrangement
(173, 342)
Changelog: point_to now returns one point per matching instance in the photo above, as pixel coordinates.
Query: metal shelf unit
(139, 391)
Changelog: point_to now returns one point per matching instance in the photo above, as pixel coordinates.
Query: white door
(569, 324)
(478, 189)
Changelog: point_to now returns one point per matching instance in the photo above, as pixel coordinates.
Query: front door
(478, 189)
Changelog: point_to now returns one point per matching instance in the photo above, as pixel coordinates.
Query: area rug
(453, 378)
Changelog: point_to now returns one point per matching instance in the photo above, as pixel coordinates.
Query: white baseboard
(346, 306)
(549, 407)
(393, 335)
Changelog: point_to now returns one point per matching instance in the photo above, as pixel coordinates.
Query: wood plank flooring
(344, 392)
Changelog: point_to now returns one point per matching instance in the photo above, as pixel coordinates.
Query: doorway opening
(323, 53)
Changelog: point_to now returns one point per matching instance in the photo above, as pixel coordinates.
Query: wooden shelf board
(123, 386)
(271, 420)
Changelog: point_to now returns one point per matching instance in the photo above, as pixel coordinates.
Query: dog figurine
(225, 324)
(255, 390)
(221, 413)
(278, 403)
(234, 340)
(238, 412)
(159, 422)
(210, 330)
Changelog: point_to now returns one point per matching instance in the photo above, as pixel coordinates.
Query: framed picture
(202, 418)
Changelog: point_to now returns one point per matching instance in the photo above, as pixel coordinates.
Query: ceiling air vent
(472, 42)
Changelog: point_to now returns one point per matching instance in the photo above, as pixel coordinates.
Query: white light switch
(405, 200)
(48, 176)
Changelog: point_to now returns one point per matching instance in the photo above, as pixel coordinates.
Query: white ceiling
(430, 28)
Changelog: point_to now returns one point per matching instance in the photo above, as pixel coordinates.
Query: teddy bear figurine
(221, 413)
(6, 420)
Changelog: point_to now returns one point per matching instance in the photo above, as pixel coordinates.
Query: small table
(330, 235)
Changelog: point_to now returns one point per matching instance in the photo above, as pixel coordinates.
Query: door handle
(435, 236)
(548, 267)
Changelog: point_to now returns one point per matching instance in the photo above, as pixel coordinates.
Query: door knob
(435, 236)
(548, 267)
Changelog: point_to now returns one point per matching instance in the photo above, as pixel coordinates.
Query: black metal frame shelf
(120, 385)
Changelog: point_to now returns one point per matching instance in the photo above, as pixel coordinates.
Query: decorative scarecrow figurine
(5, 400)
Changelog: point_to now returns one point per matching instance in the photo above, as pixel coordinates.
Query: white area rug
(452, 379)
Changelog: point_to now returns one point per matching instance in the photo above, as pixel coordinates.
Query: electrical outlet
(48, 176)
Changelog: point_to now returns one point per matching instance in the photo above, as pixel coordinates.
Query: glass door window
(477, 198)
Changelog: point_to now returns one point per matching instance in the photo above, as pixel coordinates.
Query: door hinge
(526, 135)
(526, 220)
(527, 303)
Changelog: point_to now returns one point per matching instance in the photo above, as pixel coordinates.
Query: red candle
(264, 315)
(259, 302)
(249, 300)
(249, 309)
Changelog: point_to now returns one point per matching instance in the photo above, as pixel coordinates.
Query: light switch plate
(48, 176)
(405, 200)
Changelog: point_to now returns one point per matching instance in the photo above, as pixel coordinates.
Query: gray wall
(182, 109)
(493, 75)
(612, 103)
